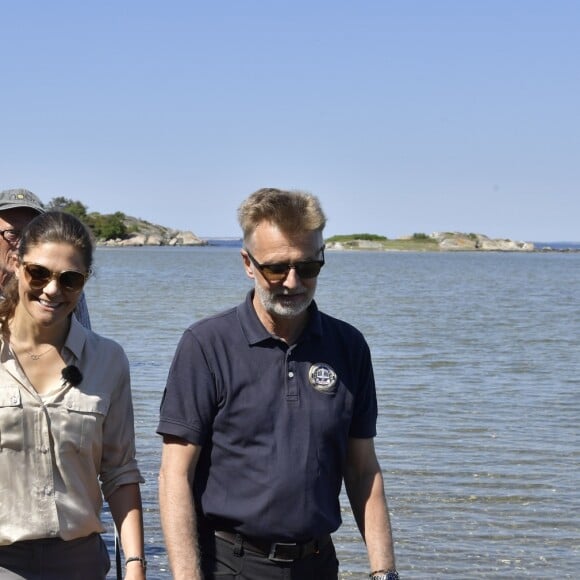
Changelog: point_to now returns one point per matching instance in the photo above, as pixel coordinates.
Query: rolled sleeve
(119, 465)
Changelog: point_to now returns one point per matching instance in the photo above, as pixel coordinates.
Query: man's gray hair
(292, 211)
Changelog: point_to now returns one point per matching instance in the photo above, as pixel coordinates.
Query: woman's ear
(14, 263)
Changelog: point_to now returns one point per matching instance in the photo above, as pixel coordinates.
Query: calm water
(477, 366)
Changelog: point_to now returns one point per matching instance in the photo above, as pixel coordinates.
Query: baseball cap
(13, 198)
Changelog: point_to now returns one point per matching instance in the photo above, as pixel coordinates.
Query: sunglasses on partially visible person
(38, 277)
(11, 235)
(277, 272)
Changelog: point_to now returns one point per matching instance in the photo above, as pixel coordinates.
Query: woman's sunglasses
(278, 272)
(38, 277)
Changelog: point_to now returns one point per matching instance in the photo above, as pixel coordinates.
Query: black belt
(275, 551)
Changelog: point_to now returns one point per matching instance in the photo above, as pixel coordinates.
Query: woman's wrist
(137, 560)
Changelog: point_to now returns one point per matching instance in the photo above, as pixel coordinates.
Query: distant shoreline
(539, 247)
(559, 246)
(142, 233)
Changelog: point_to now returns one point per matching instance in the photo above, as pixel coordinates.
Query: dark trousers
(222, 560)
(54, 559)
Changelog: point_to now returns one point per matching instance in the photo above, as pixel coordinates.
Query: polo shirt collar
(255, 331)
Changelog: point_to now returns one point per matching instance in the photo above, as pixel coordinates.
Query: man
(267, 408)
(18, 207)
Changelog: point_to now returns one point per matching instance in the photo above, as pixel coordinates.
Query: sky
(402, 116)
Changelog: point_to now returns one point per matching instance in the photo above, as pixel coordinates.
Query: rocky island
(435, 242)
(143, 233)
(120, 230)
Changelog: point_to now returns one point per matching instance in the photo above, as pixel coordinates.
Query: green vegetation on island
(417, 242)
(420, 242)
(352, 237)
(103, 226)
(119, 230)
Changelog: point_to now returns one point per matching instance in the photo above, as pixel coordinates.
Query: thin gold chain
(34, 356)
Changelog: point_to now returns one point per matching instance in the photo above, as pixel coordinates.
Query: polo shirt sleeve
(364, 419)
(189, 400)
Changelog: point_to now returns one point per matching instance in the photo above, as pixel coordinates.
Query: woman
(66, 418)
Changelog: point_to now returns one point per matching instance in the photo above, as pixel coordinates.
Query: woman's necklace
(35, 356)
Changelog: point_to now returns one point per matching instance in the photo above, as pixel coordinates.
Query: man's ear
(247, 263)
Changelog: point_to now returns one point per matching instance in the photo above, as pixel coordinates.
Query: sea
(477, 365)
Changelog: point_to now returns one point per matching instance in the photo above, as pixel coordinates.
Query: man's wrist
(390, 574)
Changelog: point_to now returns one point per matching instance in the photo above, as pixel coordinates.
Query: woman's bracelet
(137, 559)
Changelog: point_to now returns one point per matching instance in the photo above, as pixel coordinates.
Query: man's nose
(292, 279)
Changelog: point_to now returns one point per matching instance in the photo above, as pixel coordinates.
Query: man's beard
(274, 303)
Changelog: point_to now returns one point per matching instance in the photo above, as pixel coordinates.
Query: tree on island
(103, 226)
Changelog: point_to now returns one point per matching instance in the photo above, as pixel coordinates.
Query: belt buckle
(273, 555)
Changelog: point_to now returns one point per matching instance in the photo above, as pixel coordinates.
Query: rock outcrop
(174, 238)
(144, 233)
(454, 241)
(436, 242)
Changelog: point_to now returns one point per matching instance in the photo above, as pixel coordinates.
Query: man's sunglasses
(279, 271)
(38, 277)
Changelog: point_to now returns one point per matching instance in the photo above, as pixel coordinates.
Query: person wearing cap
(268, 409)
(18, 207)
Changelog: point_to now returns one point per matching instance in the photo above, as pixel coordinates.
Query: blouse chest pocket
(11, 419)
(81, 422)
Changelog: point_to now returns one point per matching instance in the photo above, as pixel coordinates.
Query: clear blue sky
(403, 116)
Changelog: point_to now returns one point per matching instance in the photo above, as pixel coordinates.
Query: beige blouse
(61, 453)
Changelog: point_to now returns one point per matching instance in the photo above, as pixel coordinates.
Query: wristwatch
(384, 575)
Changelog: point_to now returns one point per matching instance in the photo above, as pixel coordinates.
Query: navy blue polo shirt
(273, 420)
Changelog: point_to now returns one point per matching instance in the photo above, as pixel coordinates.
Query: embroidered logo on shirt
(322, 377)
